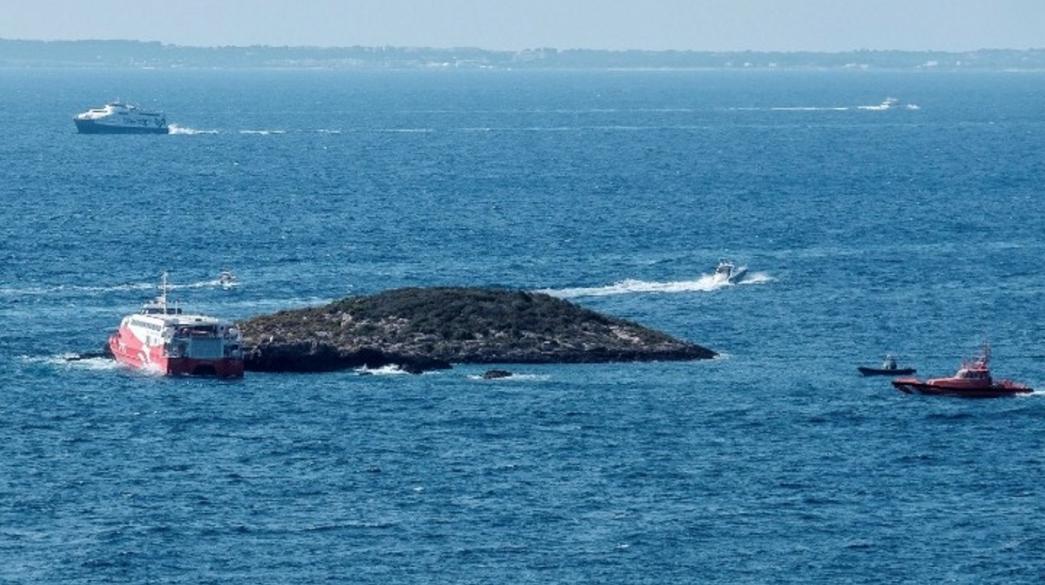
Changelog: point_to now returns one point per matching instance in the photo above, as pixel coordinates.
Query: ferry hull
(126, 350)
(92, 127)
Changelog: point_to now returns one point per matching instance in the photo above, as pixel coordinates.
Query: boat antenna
(164, 289)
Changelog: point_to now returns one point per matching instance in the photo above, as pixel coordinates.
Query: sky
(708, 25)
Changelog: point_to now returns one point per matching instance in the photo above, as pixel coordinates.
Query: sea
(877, 212)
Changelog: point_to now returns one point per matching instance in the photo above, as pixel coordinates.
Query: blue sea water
(917, 229)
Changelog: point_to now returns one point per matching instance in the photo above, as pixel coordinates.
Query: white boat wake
(130, 286)
(887, 104)
(706, 283)
(186, 131)
(74, 360)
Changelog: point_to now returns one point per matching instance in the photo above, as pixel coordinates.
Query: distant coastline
(141, 54)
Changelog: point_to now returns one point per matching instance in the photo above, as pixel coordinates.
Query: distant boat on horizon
(120, 118)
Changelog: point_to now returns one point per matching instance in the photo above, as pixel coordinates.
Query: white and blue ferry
(121, 118)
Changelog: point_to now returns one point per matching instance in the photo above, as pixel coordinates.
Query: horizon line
(528, 49)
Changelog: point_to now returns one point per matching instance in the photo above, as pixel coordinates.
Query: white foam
(130, 286)
(406, 130)
(263, 132)
(62, 289)
(389, 370)
(216, 283)
(176, 129)
(809, 109)
(328, 131)
(706, 283)
(70, 360)
(886, 104)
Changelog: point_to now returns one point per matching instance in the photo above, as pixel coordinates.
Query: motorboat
(161, 338)
(888, 368)
(729, 272)
(227, 280)
(972, 380)
(121, 118)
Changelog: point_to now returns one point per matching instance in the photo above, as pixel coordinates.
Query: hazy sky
(823, 25)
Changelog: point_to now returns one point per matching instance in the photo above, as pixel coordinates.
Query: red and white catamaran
(161, 338)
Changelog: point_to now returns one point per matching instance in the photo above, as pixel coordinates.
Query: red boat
(162, 339)
(973, 380)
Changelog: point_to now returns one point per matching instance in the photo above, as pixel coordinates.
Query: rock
(420, 329)
(103, 352)
(496, 374)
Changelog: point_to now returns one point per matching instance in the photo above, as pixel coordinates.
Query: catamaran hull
(128, 351)
(93, 127)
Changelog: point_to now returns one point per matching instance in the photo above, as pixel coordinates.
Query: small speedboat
(888, 368)
(226, 279)
(728, 272)
(973, 380)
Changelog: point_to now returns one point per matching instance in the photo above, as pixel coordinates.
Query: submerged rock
(422, 329)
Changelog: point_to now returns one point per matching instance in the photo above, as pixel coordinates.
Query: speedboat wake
(706, 283)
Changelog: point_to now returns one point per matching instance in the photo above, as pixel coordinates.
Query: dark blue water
(917, 230)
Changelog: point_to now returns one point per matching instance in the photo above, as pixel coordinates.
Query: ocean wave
(706, 283)
(176, 129)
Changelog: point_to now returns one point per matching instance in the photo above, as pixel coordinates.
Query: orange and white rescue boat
(973, 380)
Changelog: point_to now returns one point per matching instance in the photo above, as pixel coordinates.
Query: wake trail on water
(89, 361)
(131, 286)
(186, 131)
(706, 283)
(886, 105)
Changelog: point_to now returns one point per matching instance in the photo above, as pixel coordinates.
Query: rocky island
(429, 328)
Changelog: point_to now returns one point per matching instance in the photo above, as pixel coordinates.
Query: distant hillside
(135, 54)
